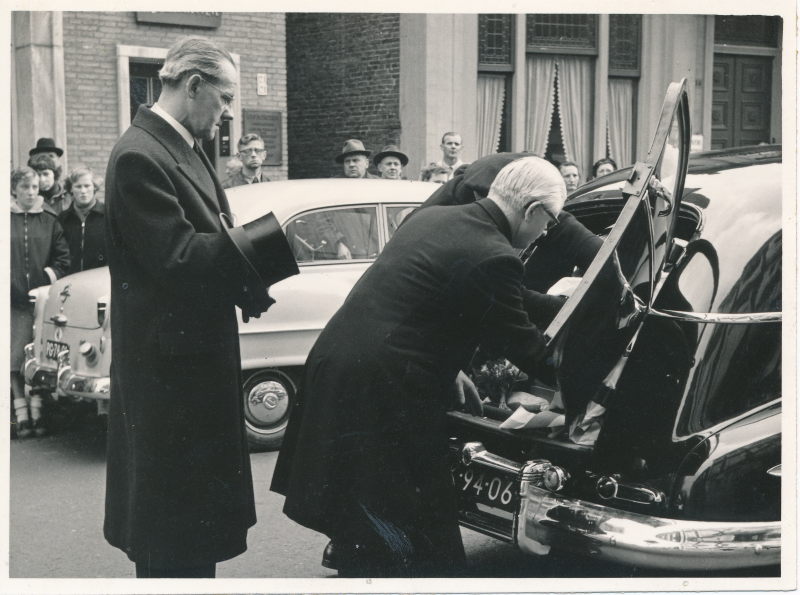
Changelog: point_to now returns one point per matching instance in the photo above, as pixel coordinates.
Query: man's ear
(192, 83)
(530, 210)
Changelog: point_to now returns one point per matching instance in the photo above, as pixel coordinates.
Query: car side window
(349, 233)
(396, 215)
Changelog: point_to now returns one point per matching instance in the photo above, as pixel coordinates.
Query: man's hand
(467, 394)
(565, 286)
(342, 251)
(260, 303)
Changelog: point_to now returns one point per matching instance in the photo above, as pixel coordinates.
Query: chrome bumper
(62, 380)
(546, 519)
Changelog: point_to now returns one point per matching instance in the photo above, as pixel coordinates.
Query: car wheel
(268, 400)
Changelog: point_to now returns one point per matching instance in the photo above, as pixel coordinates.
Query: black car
(667, 359)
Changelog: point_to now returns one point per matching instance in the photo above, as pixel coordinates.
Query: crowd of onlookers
(58, 228)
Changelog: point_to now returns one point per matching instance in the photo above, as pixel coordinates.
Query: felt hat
(391, 151)
(46, 145)
(264, 247)
(352, 147)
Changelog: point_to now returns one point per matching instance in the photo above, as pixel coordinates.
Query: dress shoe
(24, 429)
(329, 556)
(39, 427)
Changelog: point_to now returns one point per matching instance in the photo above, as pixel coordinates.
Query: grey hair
(193, 55)
(530, 179)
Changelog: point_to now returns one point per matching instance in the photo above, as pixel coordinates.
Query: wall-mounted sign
(206, 20)
(267, 125)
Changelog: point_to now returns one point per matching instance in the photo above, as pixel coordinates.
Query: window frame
(381, 222)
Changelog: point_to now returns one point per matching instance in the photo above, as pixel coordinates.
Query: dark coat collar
(98, 207)
(195, 167)
(496, 213)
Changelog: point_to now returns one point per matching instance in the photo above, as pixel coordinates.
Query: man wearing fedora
(48, 147)
(179, 493)
(355, 159)
(390, 162)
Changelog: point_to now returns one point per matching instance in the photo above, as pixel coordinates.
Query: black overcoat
(179, 489)
(369, 422)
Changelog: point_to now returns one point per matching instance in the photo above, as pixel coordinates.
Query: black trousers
(143, 570)
(373, 542)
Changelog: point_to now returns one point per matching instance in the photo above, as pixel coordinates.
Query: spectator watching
(433, 172)
(355, 159)
(390, 162)
(47, 146)
(49, 187)
(39, 256)
(571, 174)
(603, 167)
(252, 154)
(84, 221)
(451, 150)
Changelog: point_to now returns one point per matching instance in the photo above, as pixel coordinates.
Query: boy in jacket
(84, 221)
(39, 256)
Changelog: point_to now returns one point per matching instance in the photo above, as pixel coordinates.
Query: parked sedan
(660, 442)
(336, 229)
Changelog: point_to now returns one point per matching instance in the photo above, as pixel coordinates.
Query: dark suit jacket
(368, 425)
(567, 245)
(179, 489)
(238, 179)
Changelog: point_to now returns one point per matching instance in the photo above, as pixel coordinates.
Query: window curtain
(575, 93)
(491, 93)
(620, 120)
(541, 70)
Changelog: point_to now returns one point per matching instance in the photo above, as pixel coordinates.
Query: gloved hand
(260, 302)
(467, 394)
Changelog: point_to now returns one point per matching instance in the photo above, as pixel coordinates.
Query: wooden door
(740, 114)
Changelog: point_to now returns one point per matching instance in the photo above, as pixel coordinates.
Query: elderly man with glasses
(179, 492)
(363, 460)
(252, 154)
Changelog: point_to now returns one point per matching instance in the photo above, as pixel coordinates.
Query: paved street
(56, 520)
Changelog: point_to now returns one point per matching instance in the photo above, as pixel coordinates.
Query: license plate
(54, 348)
(486, 486)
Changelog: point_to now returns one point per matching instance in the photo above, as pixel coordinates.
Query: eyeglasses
(248, 152)
(226, 99)
(553, 219)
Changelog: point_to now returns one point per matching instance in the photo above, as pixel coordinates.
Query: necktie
(255, 180)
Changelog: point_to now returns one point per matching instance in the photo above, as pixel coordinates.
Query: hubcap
(267, 403)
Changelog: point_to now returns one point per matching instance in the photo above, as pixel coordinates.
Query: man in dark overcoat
(363, 460)
(179, 495)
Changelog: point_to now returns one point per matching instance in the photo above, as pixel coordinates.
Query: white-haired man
(179, 493)
(363, 460)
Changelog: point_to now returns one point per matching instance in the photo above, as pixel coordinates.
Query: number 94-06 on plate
(486, 486)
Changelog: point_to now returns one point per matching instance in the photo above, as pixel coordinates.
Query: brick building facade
(98, 54)
(343, 82)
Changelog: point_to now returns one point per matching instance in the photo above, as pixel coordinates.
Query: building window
(494, 39)
(495, 72)
(624, 43)
(747, 30)
(145, 85)
(564, 33)
(624, 67)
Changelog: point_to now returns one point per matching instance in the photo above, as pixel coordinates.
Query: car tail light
(775, 471)
(555, 478)
(102, 310)
(88, 351)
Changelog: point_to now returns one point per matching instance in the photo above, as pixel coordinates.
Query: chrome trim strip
(712, 318)
(487, 459)
(548, 520)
